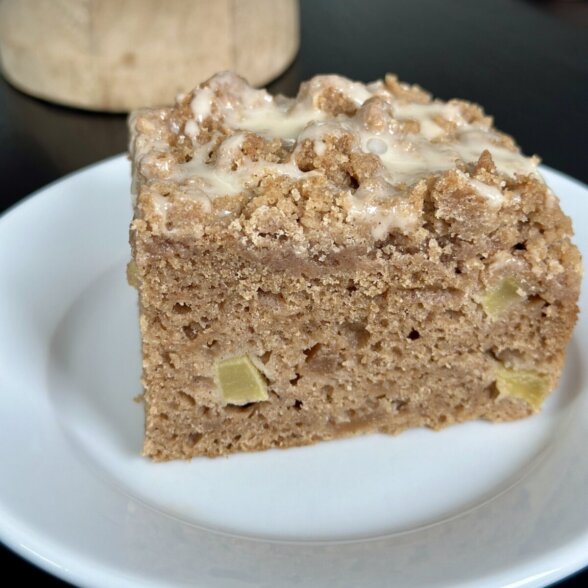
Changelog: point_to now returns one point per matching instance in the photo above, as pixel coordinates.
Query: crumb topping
(365, 148)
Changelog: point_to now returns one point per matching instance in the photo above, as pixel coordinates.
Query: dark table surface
(526, 62)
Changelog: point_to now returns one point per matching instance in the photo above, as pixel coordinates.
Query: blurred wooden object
(116, 55)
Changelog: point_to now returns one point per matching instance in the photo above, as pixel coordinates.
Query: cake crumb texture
(375, 259)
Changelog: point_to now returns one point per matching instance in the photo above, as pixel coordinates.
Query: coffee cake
(359, 258)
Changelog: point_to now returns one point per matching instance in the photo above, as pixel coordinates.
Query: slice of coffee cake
(359, 258)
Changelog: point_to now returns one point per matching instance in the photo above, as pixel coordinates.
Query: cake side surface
(383, 260)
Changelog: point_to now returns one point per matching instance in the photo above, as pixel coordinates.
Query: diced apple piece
(239, 381)
(525, 385)
(132, 274)
(507, 293)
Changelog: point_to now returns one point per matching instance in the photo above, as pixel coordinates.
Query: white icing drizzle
(407, 152)
(279, 123)
(209, 178)
(410, 158)
(191, 129)
(424, 114)
(161, 205)
(317, 132)
(384, 222)
(229, 150)
(200, 178)
(355, 91)
(376, 146)
(365, 208)
(492, 194)
(201, 104)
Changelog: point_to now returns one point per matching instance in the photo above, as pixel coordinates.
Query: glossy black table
(523, 62)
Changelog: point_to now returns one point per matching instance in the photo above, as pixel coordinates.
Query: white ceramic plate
(474, 505)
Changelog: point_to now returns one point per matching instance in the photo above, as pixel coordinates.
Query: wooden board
(118, 55)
